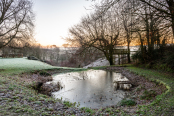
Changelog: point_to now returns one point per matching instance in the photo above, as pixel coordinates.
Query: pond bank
(16, 98)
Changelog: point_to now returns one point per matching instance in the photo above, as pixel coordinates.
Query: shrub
(138, 56)
(161, 58)
(169, 57)
(32, 58)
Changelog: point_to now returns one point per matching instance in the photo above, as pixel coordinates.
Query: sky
(55, 17)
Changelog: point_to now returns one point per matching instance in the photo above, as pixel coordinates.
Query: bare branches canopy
(16, 22)
(125, 22)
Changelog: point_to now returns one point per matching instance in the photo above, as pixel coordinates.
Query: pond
(93, 88)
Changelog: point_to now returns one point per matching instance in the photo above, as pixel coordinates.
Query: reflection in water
(93, 88)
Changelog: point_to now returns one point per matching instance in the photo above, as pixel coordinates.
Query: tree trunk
(109, 56)
(111, 60)
(128, 55)
(171, 5)
(147, 35)
(172, 28)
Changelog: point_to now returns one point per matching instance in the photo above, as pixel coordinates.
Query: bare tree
(165, 8)
(151, 30)
(101, 33)
(127, 23)
(16, 22)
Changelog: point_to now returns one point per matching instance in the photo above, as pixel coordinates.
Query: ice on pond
(92, 88)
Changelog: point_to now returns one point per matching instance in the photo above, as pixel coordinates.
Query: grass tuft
(129, 102)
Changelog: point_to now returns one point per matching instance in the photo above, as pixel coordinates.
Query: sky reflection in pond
(92, 88)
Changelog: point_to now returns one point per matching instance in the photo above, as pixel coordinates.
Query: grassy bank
(163, 104)
(20, 65)
(16, 95)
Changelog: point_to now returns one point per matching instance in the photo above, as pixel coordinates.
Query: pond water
(92, 88)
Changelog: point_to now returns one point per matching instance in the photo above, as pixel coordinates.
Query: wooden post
(122, 57)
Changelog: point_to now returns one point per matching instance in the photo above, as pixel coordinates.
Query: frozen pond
(92, 88)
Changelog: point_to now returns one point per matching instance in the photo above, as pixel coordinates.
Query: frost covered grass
(22, 63)
(18, 98)
(17, 65)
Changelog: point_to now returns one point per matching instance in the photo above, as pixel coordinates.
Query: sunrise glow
(53, 19)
